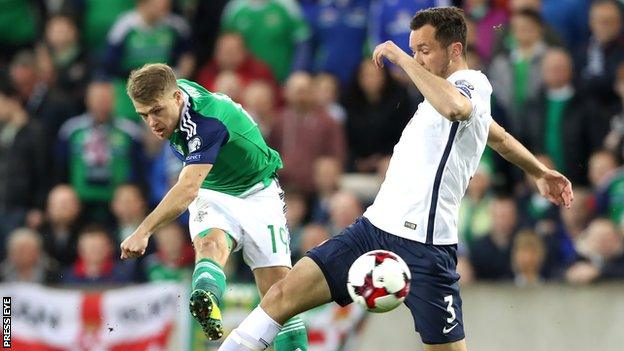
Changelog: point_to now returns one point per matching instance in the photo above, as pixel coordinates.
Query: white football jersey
(431, 166)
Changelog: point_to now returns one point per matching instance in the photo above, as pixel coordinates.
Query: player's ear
(457, 50)
(177, 95)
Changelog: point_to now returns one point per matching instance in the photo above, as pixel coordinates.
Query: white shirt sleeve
(475, 86)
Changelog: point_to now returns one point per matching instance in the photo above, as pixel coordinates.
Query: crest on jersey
(464, 83)
(194, 144)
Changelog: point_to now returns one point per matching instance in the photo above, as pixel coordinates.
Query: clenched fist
(134, 245)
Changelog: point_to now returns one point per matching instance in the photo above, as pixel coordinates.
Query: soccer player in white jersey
(415, 213)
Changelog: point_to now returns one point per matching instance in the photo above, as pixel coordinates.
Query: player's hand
(390, 51)
(556, 188)
(134, 245)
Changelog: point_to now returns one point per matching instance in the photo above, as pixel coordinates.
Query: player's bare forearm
(513, 151)
(440, 93)
(177, 199)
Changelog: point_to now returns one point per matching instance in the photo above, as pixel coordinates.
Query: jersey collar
(185, 108)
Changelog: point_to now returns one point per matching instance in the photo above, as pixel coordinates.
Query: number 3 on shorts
(449, 300)
(283, 236)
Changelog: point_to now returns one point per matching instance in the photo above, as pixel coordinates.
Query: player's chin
(160, 134)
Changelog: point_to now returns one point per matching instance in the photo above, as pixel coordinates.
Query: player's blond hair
(150, 82)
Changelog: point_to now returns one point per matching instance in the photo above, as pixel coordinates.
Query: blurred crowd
(78, 170)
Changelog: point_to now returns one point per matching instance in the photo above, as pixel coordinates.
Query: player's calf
(209, 281)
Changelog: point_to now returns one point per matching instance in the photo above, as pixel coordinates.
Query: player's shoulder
(471, 80)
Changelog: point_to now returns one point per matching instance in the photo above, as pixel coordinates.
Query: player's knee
(210, 248)
(277, 302)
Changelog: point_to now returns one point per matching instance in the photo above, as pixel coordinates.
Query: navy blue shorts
(434, 291)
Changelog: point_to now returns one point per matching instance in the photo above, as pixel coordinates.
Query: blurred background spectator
(96, 263)
(23, 167)
(378, 109)
(274, 31)
(302, 133)
(26, 261)
(63, 218)
(97, 151)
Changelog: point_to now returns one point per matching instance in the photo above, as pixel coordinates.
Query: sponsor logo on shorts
(446, 331)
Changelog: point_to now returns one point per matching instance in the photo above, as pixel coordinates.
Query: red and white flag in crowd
(138, 318)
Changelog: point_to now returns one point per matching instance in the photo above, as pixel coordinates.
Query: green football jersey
(271, 30)
(215, 130)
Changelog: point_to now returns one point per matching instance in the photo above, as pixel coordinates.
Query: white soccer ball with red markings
(379, 281)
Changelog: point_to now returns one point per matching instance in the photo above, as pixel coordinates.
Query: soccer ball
(379, 281)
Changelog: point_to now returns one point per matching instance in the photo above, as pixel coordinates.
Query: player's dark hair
(448, 22)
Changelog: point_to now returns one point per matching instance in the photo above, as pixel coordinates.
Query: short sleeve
(476, 89)
(205, 137)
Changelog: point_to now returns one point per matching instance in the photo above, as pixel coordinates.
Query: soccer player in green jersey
(229, 186)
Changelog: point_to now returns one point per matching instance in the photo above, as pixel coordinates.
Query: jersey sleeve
(477, 89)
(205, 137)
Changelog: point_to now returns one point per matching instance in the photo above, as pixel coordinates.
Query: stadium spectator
(204, 33)
(377, 111)
(129, 207)
(96, 152)
(390, 20)
(474, 211)
(47, 106)
(95, 263)
(516, 76)
(603, 254)
(23, 181)
(527, 257)
(173, 258)
(95, 19)
(327, 94)
(536, 211)
(283, 45)
(559, 117)
(302, 133)
(491, 255)
(505, 42)
(228, 83)
(607, 178)
(488, 18)
(61, 225)
(312, 235)
(339, 30)
(561, 242)
(26, 262)
(150, 33)
(232, 55)
(327, 173)
(569, 18)
(344, 209)
(296, 213)
(63, 60)
(20, 24)
(614, 141)
(259, 100)
(597, 62)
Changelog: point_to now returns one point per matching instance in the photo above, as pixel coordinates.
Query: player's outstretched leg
(212, 248)
(303, 288)
(293, 335)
